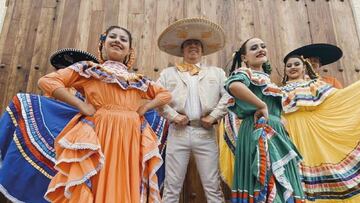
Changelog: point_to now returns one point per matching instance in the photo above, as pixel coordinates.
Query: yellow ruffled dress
(324, 124)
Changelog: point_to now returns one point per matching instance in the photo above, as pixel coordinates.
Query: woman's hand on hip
(261, 112)
(87, 109)
(143, 109)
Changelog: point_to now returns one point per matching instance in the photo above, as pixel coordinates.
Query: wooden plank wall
(33, 29)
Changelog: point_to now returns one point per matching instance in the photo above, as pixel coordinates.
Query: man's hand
(207, 121)
(181, 120)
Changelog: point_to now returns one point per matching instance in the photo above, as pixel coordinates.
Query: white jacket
(213, 97)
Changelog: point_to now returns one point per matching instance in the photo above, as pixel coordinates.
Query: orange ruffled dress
(112, 156)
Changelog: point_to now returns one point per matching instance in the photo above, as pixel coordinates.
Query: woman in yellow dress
(324, 124)
(107, 153)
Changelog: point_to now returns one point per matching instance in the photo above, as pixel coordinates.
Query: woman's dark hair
(309, 69)
(103, 38)
(104, 35)
(242, 51)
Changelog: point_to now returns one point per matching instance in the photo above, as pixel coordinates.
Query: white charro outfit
(196, 96)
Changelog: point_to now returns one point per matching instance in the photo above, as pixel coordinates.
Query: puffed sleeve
(238, 77)
(62, 78)
(158, 92)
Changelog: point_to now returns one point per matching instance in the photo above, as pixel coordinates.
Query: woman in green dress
(266, 161)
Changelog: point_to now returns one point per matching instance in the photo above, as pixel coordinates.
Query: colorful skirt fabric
(228, 132)
(29, 127)
(328, 137)
(160, 126)
(266, 165)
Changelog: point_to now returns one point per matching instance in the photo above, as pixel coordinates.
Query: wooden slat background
(33, 29)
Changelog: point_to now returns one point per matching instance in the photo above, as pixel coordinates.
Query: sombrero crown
(211, 35)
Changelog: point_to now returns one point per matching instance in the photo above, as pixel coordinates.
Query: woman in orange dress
(107, 153)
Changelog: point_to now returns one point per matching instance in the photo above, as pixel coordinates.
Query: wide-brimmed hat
(327, 53)
(210, 34)
(63, 58)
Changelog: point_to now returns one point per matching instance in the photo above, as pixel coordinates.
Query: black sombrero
(63, 58)
(327, 53)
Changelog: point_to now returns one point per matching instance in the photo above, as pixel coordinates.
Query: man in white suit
(199, 100)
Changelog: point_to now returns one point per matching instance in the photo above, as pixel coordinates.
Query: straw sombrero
(211, 35)
(63, 58)
(327, 53)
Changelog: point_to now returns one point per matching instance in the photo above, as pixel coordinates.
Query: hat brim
(327, 53)
(211, 35)
(68, 56)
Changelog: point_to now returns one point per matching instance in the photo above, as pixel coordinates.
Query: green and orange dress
(266, 161)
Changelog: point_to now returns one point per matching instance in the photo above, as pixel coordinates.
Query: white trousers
(180, 144)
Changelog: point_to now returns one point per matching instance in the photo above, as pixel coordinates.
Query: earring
(285, 79)
(101, 58)
(130, 58)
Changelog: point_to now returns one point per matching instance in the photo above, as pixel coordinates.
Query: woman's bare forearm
(64, 95)
(242, 92)
(159, 100)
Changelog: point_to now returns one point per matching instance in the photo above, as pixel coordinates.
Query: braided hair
(309, 69)
(242, 51)
(129, 60)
